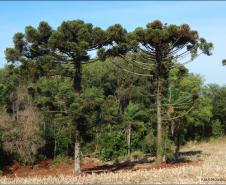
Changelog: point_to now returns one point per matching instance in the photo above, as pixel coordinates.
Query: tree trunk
(178, 143)
(55, 148)
(129, 137)
(159, 154)
(77, 166)
(177, 155)
(77, 87)
(55, 142)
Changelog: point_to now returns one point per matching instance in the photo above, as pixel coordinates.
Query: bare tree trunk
(77, 167)
(177, 141)
(159, 157)
(55, 143)
(129, 138)
(55, 148)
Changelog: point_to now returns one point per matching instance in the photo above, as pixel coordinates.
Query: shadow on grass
(183, 157)
(126, 165)
(191, 153)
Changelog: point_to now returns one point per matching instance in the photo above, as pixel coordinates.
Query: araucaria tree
(71, 44)
(155, 50)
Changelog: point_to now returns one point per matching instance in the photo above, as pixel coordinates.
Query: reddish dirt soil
(47, 168)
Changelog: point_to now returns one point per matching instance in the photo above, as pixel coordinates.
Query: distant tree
(217, 93)
(133, 117)
(199, 119)
(124, 89)
(54, 96)
(160, 47)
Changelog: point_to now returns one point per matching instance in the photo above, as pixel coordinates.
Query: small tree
(132, 117)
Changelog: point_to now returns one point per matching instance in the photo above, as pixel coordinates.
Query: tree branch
(90, 61)
(173, 118)
(139, 74)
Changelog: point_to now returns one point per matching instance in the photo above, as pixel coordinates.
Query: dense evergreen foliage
(55, 99)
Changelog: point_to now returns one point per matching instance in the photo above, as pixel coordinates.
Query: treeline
(59, 99)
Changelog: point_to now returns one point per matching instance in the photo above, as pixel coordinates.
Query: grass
(211, 171)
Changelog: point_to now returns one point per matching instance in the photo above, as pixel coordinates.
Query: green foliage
(217, 94)
(136, 155)
(76, 37)
(168, 149)
(8, 83)
(109, 111)
(217, 130)
(135, 112)
(113, 145)
(104, 100)
(149, 143)
(54, 97)
(199, 120)
(60, 158)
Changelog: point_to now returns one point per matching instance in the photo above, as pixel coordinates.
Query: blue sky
(207, 17)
